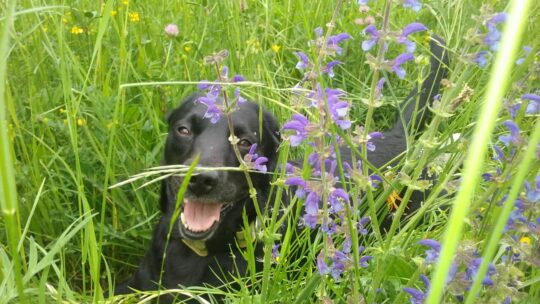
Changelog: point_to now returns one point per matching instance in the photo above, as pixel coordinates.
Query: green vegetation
(85, 87)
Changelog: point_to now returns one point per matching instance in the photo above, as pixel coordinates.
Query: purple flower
(335, 199)
(321, 264)
(310, 221)
(328, 227)
(312, 203)
(370, 146)
(481, 58)
(432, 255)
(493, 35)
(338, 264)
(212, 111)
(362, 2)
(254, 160)
(527, 49)
(275, 251)
(364, 261)
(238, 78)
(333, 42)
(371, 30)
(415, 5)
(411, 28)
(533, 107)
(338, 108)
(499, 18)
(401, 59)
(319, 31)
(472, 270)
(237, 96)
(533, 194)
(514, 136)
(299, 124)
(362, 225)
(303, 61)
(417, 296)
(328, 69)
(378, 89)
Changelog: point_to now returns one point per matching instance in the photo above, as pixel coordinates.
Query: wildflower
(276, 48)
(335, 199)
(481, 58)
(363, 261)
(254, 160)
(362, 2)
(472, 269)
(372, 31)
(333, 43)
(432, 255)
(514, 136)
(321, 264)
(328, 69)
(370, 146)
(125, 2)
(81, 122)
(212, 111)
(493, 35)
(338, 264)
(525, 240)
(75, 30)
(114, 13)
(533, 107)
(275, 252)
(134, 17)
(338, 108)
(527, 50)
(362, 224)
(417, 296)
(411, 28)
(300, 124)
(303, 63)
(401, 59)
(187, 49)
(172, 30)
(415, 5)
(299, 183)
(533, 195)
(378, 89)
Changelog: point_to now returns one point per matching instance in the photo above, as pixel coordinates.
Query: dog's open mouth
(199, 220)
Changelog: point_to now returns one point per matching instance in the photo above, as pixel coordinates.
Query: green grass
(85, 87)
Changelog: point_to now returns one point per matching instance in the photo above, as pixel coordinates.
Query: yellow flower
(81, 122)
(64, 19)
(62, 110)
(45, 28)
(525, 240)
(276, 48)
(114, 13)
(187, 48)
(125, 2)
(75, 30)
(392, 201)
(134, 17)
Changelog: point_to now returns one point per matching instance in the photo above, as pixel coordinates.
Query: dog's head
(215, 199)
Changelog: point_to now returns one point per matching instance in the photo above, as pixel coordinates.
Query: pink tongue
(199, 216)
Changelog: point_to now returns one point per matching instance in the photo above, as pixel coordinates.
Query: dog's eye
(183, 131)
(244, 143)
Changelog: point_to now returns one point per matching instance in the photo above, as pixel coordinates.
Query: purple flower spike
(321, 264)
(304, 61)
(371, 30)
(499, 18)
(401, 59)
(312, 204)
(212, 111)
(364, 261)
(415, 5)
(254, 160)
(299, 124)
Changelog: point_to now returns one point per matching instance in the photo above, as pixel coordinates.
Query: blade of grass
(475, 160)
(8, 190)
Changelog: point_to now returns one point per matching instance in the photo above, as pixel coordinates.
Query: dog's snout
(204, 182)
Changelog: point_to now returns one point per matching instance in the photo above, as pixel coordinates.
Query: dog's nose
(203, 183)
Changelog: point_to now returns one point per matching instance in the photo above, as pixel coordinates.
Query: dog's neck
(199, 247)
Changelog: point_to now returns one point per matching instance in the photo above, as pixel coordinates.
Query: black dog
(211, 213)
(203, 242)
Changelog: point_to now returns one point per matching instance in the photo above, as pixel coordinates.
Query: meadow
(85, 87)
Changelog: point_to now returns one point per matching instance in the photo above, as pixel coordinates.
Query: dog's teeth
(183, 219)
